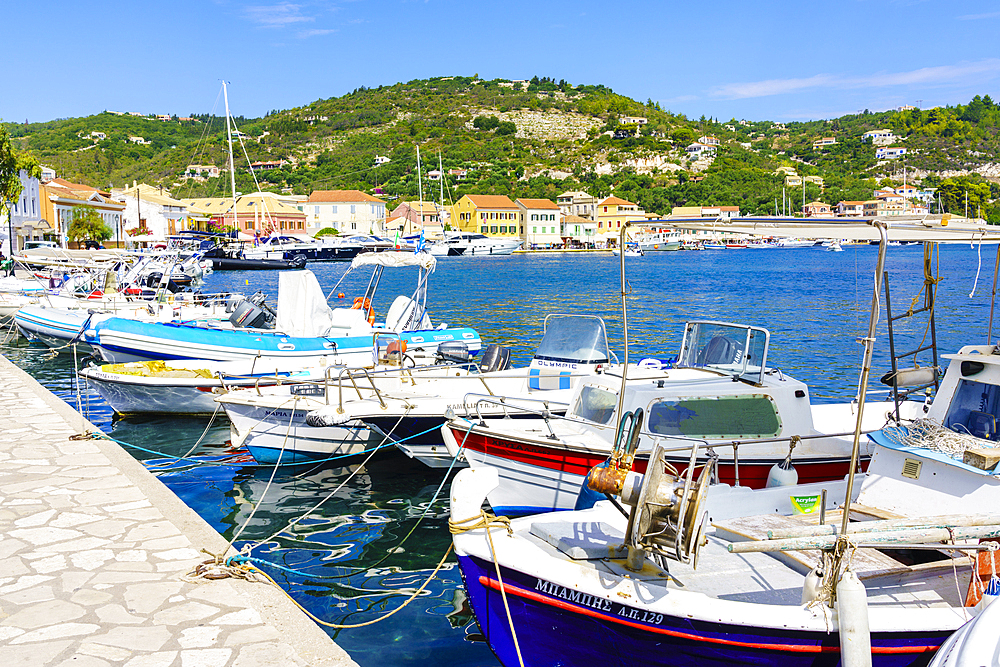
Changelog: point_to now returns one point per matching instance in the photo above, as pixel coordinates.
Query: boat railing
(685, 443)
(350, 373)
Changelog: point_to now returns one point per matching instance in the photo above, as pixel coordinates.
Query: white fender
(852, 622)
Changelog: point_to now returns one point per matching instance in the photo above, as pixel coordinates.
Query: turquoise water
(347, 563)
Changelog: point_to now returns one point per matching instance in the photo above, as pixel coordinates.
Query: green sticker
(805, 504)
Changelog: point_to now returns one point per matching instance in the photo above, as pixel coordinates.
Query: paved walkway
(92, 553)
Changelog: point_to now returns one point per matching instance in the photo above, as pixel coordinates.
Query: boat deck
(757, 577)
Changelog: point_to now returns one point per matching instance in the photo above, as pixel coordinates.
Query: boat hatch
(574, 339)
(715, 417)
(974, 409)
(732, 349)
(595, 404)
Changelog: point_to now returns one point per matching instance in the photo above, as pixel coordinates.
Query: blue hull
(121, 339)
(556, 626)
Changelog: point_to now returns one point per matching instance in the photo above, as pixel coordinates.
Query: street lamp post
(10, 229)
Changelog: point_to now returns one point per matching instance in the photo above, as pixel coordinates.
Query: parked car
(34, 245)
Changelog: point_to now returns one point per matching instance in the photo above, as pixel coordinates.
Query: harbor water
(372, 533)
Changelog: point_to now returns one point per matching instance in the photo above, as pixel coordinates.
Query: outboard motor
(259, 299)
(495, 358)
(247, 315)
(454, 351)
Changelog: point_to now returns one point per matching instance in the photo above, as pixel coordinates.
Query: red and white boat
(719, 392)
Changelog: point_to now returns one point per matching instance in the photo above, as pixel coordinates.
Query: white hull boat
(406, 407)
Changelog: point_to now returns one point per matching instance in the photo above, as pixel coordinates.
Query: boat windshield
(733, 349)
(974, 409)
(574, 339)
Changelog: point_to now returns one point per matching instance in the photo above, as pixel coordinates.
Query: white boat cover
(396, 259)
(302, 307)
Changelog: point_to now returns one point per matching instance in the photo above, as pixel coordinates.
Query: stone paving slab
(93, 549)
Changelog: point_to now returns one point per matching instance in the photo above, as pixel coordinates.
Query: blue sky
(772, 59)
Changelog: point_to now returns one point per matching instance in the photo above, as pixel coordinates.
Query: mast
(441, 172)
(420, 186)
(232, 170)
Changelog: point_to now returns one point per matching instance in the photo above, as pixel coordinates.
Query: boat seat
(982, 425)
(348, 318)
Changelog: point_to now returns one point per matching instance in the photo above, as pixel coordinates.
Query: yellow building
(612, 212)
(495, 215)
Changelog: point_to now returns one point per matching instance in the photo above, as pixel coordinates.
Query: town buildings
(349, 211)
(541, 223)
(495, 215)
(577, 203)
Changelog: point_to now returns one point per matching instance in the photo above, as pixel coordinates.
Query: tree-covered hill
(533, 139)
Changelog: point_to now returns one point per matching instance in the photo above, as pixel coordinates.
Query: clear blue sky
(756, 60)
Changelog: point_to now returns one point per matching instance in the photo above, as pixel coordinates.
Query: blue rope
(297, 463)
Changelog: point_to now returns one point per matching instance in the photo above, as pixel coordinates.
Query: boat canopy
(395, 259)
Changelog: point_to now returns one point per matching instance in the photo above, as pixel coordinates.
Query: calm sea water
(348, 563)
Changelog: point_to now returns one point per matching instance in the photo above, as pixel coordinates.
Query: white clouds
(277, 16)
(960, 74)
(977, 17)
(316, 32)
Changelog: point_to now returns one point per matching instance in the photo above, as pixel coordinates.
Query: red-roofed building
(851, 209)
(495, 215)
(541, 221)
(351, 211)
(612, 212)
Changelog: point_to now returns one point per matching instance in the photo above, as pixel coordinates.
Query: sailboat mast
(420, 184)
(441, 172)
(232, 170)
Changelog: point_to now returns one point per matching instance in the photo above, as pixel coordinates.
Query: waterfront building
(575, 202)
(495, 215)
(25, 215)
(850, 209)
(149, 208)
(258, 214)
(816, 209)
(59, 199)
(541, 223)
(612, 212)
(417, 216)
(349, 211)
(580, 232)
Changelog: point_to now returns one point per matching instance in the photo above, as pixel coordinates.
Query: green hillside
(535, 139)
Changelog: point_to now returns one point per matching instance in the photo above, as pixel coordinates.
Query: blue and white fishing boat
(305, 328)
